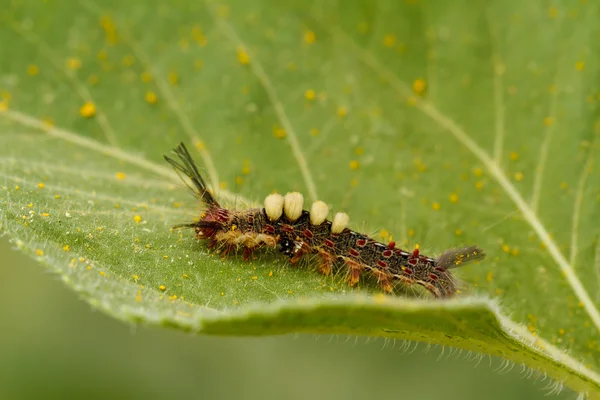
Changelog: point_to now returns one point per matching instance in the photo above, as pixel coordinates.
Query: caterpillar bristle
(283, 224)
(188, 167)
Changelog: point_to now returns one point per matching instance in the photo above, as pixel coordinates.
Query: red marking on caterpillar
(282, 222)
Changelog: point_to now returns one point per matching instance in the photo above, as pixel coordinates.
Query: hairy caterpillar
(283, 224)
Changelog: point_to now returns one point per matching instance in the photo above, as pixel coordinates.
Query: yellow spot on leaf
(120, 176)
(419, 86)
(389, 40)
(151, 97)
(310, 94)
(137, 219)
(173, 78)
(506, 248)
(453, 198)
(33, 70)
(342, 111)
(310, 37)
(74, 63)
(354, 164)
(243, 56)
(41, 185)
(519, 176)
(88, 110)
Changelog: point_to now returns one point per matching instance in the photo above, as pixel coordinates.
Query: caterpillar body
(284, 225)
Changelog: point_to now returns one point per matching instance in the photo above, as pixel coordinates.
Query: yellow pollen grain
(488, 277)
(137, 219)
(553, 12)
(310, 94)
(44, 214)
(239, 180)
(41, 185)
(185, 276)
(498, 291)
(342, 111)
(579, 65)
(314, 132)
(279, 133)
(243, 56)
(310, 37)
(548, 121)
(162, 288)
(74, 63)
(66, 247)
(354, 164)
(564, 185)
(478, 171)
(3, 105)
(389, 40)
(411, 232)
(39, 252)
(359, 151)
(479, 185)
(223, 185)
(453, 198)
(165, 257)
(138, 296)
(151, 97)
(270, 273)
(33, 70)
(102, 273)
(561, 331)
(519, 176)
(135, 277)
(514, 156)
(88, 110)
(174, 297)
(458, 232)
(254, 277)
(120, 176)
(515, 252)
(419, 86)
(506, 248)
(436, 206)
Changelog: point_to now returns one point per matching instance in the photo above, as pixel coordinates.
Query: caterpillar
(284, 225)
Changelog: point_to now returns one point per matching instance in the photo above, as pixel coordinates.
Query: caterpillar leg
(326, 265)
(354, 270)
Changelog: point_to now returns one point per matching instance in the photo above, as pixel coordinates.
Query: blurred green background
(55, 346)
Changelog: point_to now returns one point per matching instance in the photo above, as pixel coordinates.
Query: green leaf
(440, 125)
